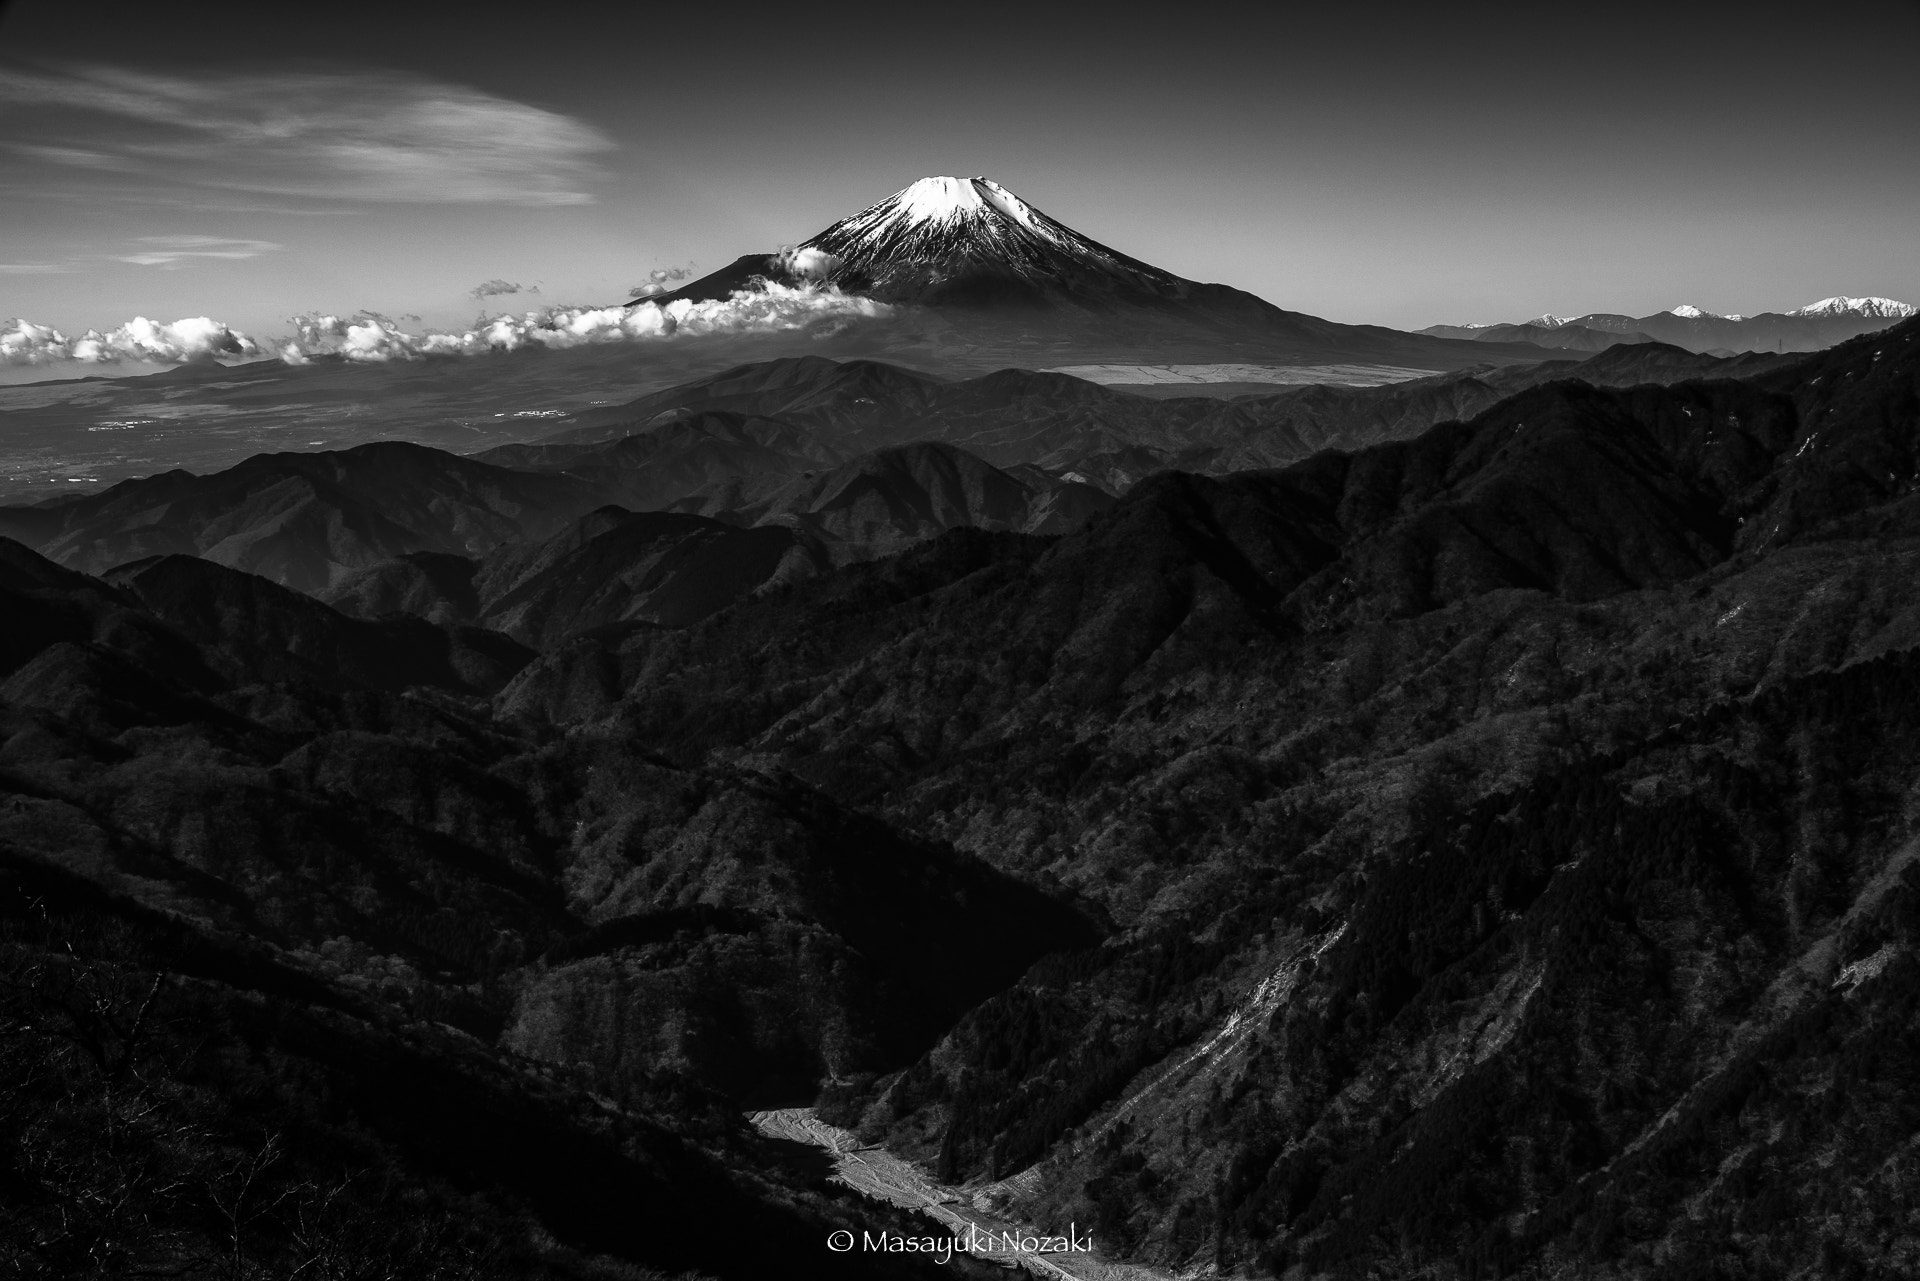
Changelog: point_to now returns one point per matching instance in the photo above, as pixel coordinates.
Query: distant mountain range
(1816, 326)
(668, 508)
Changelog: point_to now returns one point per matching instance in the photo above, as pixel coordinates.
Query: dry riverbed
(877, 1173)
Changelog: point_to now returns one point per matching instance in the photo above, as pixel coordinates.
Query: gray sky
(1397, 164)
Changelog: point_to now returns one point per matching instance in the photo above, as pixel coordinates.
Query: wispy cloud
(336, 135)
(77, 157)
(175, 251)
(31, 269)
(134, 191)
(497, 288)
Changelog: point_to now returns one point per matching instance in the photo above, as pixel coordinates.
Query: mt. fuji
(972, 240)
(984, 273)
(953, 241)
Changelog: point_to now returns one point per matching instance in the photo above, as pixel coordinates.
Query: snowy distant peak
(1810, 328)
(943, 233)
(1873, 308)
(1866, 308)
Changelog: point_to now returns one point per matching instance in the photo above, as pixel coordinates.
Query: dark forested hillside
(301, 947)
(1484, 852)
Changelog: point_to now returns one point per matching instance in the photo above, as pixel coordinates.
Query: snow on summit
(949, 199)
(942, 234)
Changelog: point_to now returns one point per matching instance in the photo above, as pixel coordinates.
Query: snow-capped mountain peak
(1687, 311)
(955, 199)
(1875, 308)
(942, 234)
(1551, 321)
(937, 199)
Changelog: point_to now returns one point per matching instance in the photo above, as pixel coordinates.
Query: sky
(1393, 164)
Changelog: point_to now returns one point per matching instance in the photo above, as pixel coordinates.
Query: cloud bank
(369, 337)
(24, 343)
(334, 135)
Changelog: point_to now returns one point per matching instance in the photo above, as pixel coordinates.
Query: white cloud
(30, 269)
(805, 263)
(24, 343)
(342, 135)
(172, 251)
